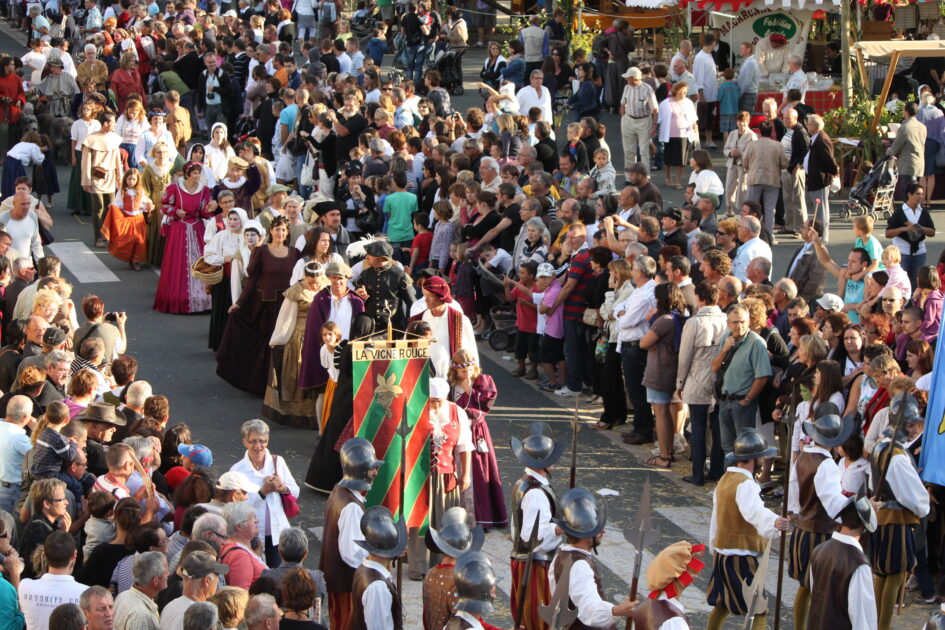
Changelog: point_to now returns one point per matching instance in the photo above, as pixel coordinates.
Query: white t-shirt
(38, 598)
(172, 617)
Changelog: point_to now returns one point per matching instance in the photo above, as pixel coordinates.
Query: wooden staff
(782, 544)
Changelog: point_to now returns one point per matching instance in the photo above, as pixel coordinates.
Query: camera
(112, 317)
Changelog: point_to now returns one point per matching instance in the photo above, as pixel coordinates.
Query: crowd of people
(304, 198)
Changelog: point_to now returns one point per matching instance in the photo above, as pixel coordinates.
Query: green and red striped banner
(392, 379)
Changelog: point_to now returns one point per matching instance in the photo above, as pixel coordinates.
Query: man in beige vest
(101, 170)
(178, 121)
(740, 527)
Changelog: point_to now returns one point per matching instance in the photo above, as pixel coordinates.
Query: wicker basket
(208, 274)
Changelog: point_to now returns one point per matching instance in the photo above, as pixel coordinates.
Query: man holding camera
(109, 327)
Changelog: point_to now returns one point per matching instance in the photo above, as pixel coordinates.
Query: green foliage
(585, 39)
(854, 122)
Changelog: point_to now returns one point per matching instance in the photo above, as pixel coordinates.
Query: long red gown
(177, 291)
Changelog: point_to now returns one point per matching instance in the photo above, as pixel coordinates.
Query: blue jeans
(577, 354)
(9, 493)
(416, 55)
(911, 264)
(634, 365)
(702, 423)
(734, 417)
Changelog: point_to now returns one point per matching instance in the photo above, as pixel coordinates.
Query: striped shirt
(52, 450)
(639, 101)
(580, 270)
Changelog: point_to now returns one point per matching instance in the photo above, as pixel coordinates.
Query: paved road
(175, 359)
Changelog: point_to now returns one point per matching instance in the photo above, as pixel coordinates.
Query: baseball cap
(199, 564)
(632, 72)
(196, 453)
(711, 197)
(673, 213)
(234, 480)
(830, 302)
(175, 476)
(545, 270)
(54, 336)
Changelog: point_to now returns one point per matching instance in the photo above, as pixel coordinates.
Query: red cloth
(125, 83)
(12, 88)
(245, 566)
(526, 318)
(421, 244)
(821, 100)
(539, 592)
(339, 609)
(177, 292)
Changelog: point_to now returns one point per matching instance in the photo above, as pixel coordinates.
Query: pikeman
(533, 501)
(453, 539)
(841, 574)
(341, 556)
(376, 602)
(815, 496)
(475, 591)
(903, 502)
(739, 528)
(583, 525)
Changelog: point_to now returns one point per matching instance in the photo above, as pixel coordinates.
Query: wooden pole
(782, 544)
(893, 62)
(862, 66)
(846, 80)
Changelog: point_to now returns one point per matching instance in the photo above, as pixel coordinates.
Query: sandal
(549, 387)
(137, 267)
(655, 462)
(602, 426)
(518, 372)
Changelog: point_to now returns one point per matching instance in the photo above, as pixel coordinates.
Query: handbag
(98, 172)
(590, 317)
(601, 345)
(290, 504)
(720, 375)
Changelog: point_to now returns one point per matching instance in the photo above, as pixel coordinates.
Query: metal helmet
(581, 517)
(454, 538)
(475, 583)
(937, 620)
(859, 509)
(357, 460)
(828, 428)
(382, 536)
(749, 445)
(907, 404)
(537, 450)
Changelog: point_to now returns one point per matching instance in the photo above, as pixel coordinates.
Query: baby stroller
(873, 195)
(502, 336)
(450, 67)
(362, 26)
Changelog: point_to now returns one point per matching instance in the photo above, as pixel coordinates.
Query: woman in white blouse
(219, 151)
(130, 126)
(220, 251)
(275, 480)
(703, 176)
(156, 132)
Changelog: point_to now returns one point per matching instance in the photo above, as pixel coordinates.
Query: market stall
(755, 21)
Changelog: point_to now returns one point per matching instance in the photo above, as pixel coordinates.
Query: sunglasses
(387, 89)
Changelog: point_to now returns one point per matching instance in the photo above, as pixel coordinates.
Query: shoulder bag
(290, 504)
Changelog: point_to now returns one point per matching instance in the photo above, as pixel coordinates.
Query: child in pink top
(551, 345)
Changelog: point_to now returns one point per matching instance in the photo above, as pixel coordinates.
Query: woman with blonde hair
(231, 604)
(125, 82)
(615, 397)
(46, 304)
(155, 177)
(727, 236)
(678, 127)
(475, 393)
(510, 136)
(131, 124)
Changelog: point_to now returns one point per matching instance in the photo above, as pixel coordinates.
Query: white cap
(439, 388)
(233, 480)
(830, 302)
(545, 270)
(636, 73)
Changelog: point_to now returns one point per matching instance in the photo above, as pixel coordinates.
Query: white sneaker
(679, 443)
(567, 393)
(711, 145)
(912, 583)
(593, 400)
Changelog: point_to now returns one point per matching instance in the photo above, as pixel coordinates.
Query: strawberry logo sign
(775, 23)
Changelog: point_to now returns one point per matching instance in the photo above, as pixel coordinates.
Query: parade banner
(932, 457)
(391, 381)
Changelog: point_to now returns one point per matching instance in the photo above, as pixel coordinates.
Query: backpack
(441, 102)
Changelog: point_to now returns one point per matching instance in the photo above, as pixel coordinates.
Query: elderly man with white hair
(201, 616)
(210, 527)
(798, 79)
(135, 396)
(535, 95)
(14, 445)
(489, 174)
(685, 49)
(749, 233)
(293, 547)
(262, 613)
(135, 609)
